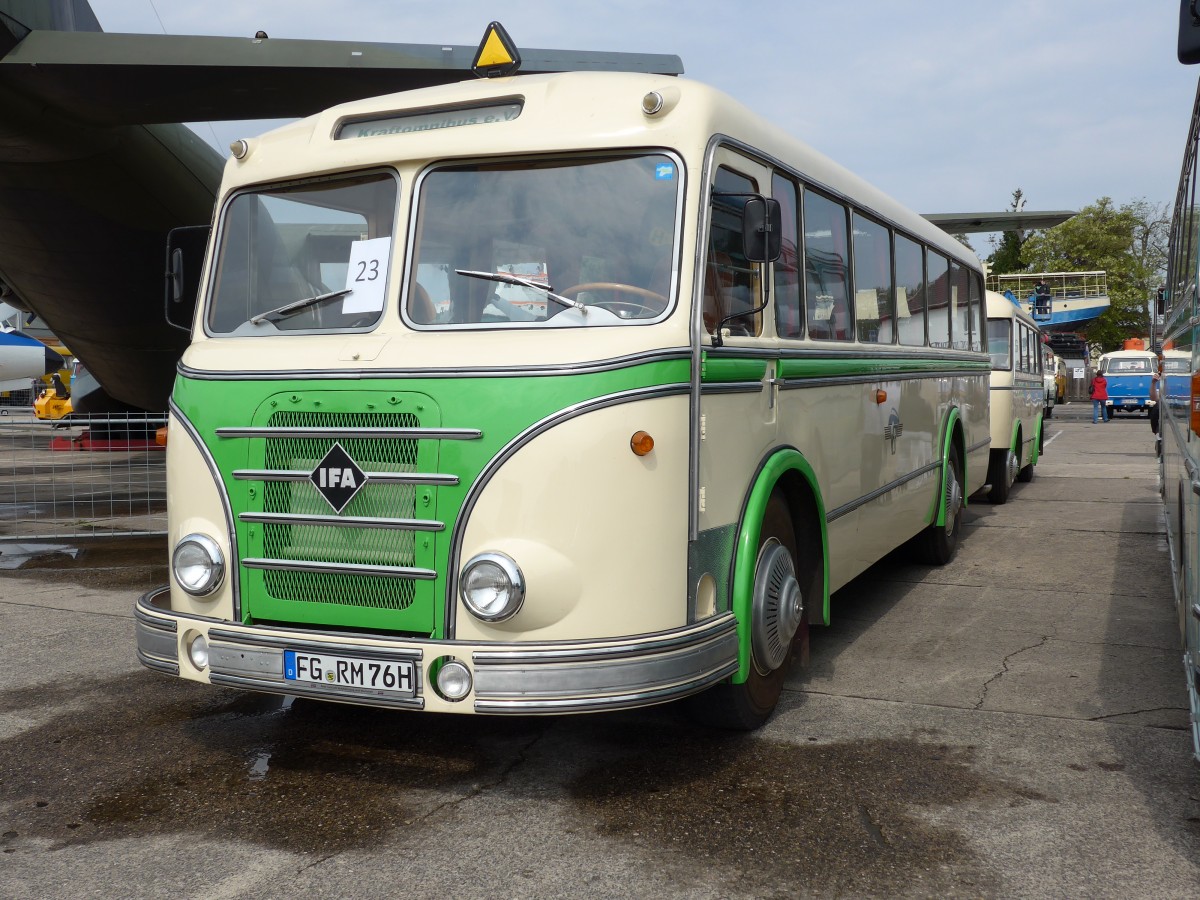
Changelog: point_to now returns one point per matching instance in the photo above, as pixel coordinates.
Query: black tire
(1026, 474)
(747, 706)
(1001, 480)
(1049, 412)
(937, 544)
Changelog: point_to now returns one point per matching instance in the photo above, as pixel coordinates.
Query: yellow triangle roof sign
(497, 54)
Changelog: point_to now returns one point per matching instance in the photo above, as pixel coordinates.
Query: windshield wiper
(505, 278)
(290, 309)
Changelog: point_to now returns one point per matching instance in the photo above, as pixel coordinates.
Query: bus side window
(872, 281)
(825, 252)
(789, 317)
(939, 299)
(910, 292)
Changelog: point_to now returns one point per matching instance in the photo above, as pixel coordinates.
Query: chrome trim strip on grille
(231, 530)
(879, 492)
(268, 518)
(587, 368)
(417, 478)
(289, 565)
(506, 452)
(431, 434)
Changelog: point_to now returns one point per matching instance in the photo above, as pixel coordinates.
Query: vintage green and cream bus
(554, 393)
(1017, 395)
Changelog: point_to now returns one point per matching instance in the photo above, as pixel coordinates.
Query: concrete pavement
(1010, 725)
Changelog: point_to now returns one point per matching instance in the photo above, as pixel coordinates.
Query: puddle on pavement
(144, 755)
(108, 562)
(844, 816)
(147, 755)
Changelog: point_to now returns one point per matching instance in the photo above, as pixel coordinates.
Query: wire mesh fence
(84, 476)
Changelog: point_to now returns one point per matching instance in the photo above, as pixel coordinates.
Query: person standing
(1099, 394)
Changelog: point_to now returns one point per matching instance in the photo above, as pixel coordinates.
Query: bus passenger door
(739, 400)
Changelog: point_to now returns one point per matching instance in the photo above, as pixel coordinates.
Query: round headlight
(198, 564)
(492, 587)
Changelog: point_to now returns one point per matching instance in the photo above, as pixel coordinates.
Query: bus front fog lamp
(198, 564)
(492, 587)
(197, 649)
(453, 679)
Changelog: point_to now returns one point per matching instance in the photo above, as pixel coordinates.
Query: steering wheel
(617, 287)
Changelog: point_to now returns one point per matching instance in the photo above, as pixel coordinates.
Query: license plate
(397, 676)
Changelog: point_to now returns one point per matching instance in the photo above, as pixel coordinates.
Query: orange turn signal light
(641, 443)
(881, 396)
(160, 436)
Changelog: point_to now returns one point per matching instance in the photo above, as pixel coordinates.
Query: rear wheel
(776, 616)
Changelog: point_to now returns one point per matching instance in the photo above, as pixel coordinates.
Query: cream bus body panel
(1016, 397)
(601, 534)
(197, 505)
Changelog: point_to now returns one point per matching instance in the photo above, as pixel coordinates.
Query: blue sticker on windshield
(664, 171)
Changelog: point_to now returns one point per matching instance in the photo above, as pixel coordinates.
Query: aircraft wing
(141, 79)
(982, 222)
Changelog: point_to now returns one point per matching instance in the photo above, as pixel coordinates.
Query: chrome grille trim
(268, 518)
(289, 565)
(429, 434)
(417, 478)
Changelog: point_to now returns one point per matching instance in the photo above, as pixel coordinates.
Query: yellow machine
(54, 402)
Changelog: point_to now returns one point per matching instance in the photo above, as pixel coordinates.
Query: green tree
(1127, 242)
(1006, 255)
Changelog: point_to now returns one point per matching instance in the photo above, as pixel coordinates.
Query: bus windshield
(310, 257)
(999, 341)
(597, 231)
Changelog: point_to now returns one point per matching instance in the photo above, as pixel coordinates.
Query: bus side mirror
(1189, 32)
(185, 257)
(762, 234)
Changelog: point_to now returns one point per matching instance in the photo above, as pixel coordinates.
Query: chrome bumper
(508, 678)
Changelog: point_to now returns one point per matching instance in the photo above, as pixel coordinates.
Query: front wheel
(1002, 476)
(938, 543)
(777, 613)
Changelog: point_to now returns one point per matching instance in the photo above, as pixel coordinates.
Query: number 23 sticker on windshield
(367, 275)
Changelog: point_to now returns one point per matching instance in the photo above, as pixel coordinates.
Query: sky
(947, 105)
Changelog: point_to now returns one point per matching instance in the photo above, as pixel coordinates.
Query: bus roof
(572, 111)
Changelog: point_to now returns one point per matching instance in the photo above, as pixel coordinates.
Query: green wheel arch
(949, 432)
(773, 471)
